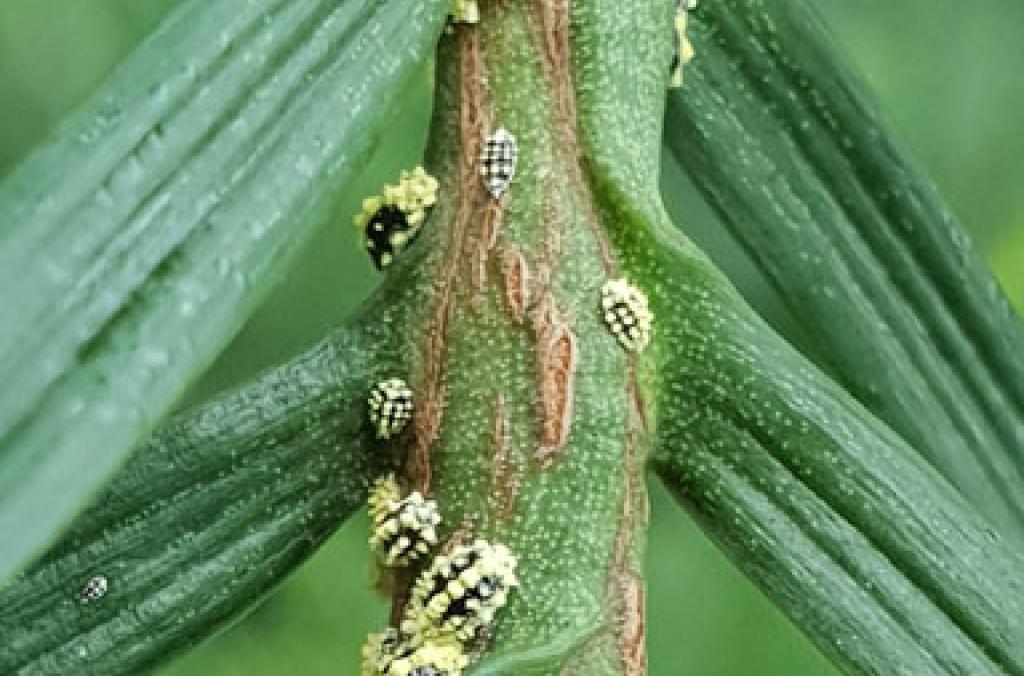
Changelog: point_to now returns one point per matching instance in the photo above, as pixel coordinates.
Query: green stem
(532, 421)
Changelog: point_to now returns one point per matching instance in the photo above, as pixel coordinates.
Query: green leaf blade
(875, 556)
(900, 309)
(180, 211)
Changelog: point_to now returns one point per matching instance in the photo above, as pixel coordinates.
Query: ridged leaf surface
(797, 159)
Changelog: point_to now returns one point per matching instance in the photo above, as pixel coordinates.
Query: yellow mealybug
(403, 528)
(384, 492)
(379, 650)
(390, 654)
(429, 659)
(626, 313)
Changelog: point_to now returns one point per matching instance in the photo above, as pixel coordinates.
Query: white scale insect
(404, 529)
(498, 161)
(391, 406)
(465, 11)
(391, 654)
(683, 50)
(626, 313)
(95, 589)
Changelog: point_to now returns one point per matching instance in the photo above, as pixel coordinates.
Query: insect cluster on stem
(456, 596)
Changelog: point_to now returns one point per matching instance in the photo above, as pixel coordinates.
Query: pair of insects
(454, 598)
(390, 222)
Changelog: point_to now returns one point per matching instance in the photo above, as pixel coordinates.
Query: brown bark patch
(557, 355)
(515, 274)
(625, 588)
(400, 583)
(633, 626)
(553, 35)
(473, 119)
(490, 227)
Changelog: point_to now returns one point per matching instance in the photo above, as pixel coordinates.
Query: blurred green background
(948, 74)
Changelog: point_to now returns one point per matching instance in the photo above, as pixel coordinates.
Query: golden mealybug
(403, 528)
(626, 313)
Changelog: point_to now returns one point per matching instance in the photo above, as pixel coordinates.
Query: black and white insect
(391, 406)
(404, 529)
(390, 222)
(626, 313)
(388, 232)
(95, 589)
(498, 161)
(391, 654)
(379, 650)
(460, 593)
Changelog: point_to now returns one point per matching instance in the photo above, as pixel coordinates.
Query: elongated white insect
(391, 406)
(498, 161)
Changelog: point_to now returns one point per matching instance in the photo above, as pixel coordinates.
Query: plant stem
(531, 422)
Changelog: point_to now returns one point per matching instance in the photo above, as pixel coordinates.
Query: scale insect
(461, 592)
(465, 11)
(682, 47)
(429, 659)
(625, 311)
(390, 407)
(404, 528)
(95, 589)
(391, 221)
(498, 161)
(389, 653)
(378, 651)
